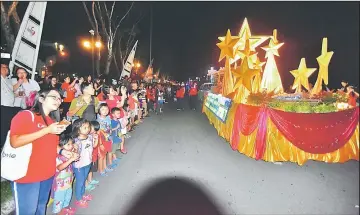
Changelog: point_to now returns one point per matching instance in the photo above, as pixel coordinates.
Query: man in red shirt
(193, 96)
(151, 97)
(180, 94)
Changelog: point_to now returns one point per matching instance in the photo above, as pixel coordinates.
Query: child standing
(116, 136)
(104, 137)
(62, 185)
(160, 103)
(125, 121)
(90, 183)
(132, 106)
(84, 146)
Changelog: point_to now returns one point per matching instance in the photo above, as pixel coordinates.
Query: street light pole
(92, 52)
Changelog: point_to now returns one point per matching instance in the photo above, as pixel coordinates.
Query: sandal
(109, 169)
(87, 197)
(68, 211)
(117, 160)
(94, 182)
(123, 151)
(103, 174)
(82, 204)
(71, 210)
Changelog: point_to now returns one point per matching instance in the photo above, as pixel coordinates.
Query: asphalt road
(185, 145)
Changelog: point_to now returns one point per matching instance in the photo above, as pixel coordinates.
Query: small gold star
(301, 76)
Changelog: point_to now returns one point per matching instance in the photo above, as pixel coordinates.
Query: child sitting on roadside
(62, 185)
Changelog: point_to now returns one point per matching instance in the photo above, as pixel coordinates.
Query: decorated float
(250, 109)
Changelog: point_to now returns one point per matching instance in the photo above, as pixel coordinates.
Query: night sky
(185, 34)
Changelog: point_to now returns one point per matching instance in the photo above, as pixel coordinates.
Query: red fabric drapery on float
(317, 133)
(314, 133)
(247, 119)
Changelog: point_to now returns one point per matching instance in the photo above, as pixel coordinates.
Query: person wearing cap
(7, 100)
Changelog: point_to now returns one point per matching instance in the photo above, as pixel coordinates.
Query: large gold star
(245, 74)
(301, 76)
(244, 34)
(273, 46)
(323, 61)
(227, 46)
(256, 84)
(228, 80)
(271, 80)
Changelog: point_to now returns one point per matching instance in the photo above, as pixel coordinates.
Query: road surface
(184, 144)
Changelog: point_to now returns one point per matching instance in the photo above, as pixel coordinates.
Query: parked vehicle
(204, 89)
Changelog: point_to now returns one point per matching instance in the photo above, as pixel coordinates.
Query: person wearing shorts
(116, 139)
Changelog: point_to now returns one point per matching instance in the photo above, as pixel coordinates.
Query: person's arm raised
(73, 83)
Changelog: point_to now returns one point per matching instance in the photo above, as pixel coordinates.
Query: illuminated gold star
(228, 80)
(323, 61)
(271, 80)
(245, 74)
(227, 46)
(256, 84)
(246, 52)
(273, 46)
(301, 76)
(257, 63)
(244, 34)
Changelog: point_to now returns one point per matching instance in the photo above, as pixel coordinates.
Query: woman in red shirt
(40, 127)
(112, 99)
(70, 94)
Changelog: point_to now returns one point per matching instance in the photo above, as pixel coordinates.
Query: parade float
(250, 109)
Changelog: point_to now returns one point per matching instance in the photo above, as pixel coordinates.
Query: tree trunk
(98, 58)
(116, 64)
(6, 28)
(97, 62)
(109, 56)
(14, 16)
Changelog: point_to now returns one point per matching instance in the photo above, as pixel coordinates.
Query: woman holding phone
(38, 126)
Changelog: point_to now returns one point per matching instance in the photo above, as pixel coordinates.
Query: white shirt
(85, 150)
(78, 90)
(27, 88)
(7, 94)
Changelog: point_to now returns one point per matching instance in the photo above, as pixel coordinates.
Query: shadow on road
(173, 196)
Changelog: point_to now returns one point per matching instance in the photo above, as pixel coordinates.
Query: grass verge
(6, 192)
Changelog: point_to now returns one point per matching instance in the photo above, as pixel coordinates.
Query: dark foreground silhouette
(173, 197)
